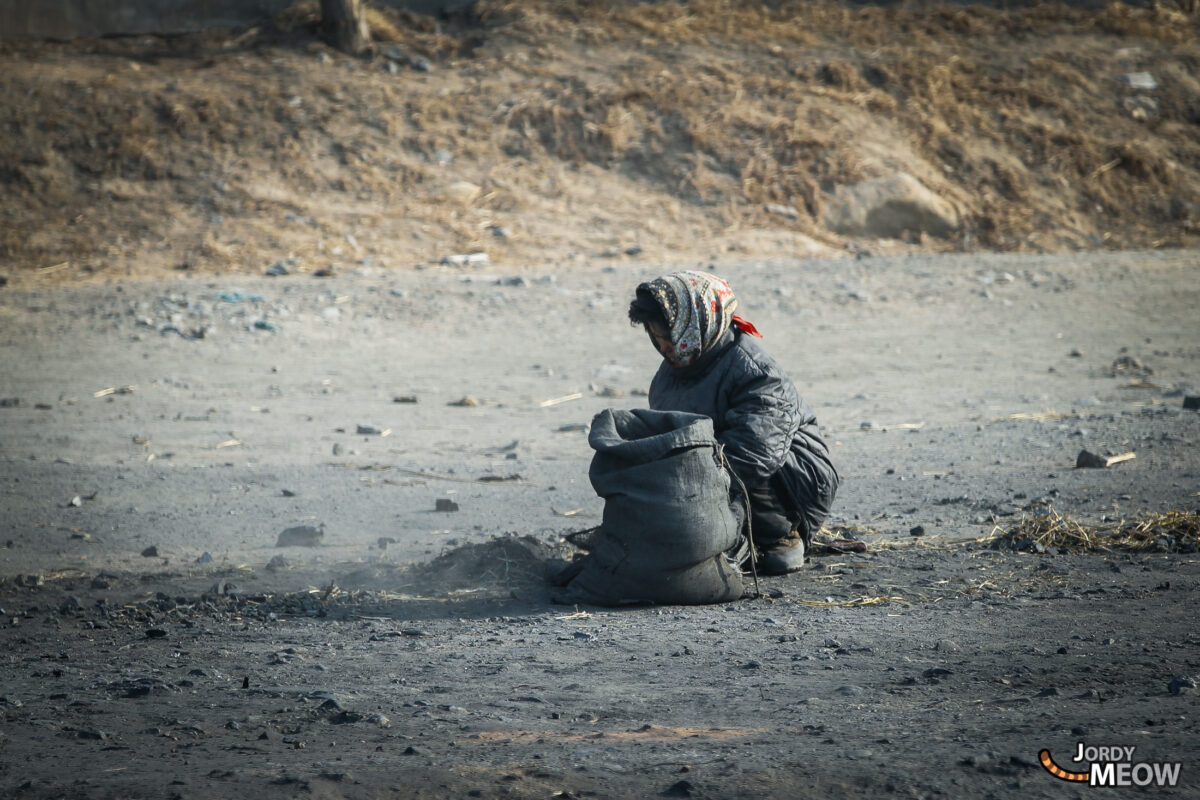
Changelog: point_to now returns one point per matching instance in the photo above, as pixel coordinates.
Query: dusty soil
(546, 133)
(416, 653)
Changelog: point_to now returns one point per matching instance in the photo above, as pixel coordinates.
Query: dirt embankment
(548, 131)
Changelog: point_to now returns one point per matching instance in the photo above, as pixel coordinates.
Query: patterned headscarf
(699, 309)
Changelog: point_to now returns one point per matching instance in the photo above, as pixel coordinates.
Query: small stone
(467, 402)
(205, 558)
(278, 268)
(1139, 80)
(866, 425)
(445, 504)
(150, 552)
(633, 250)
(679, 789)
(1049, 691)
(369, 429)
(276, 563)
(947, 646)
(337, 449)
(98, 735)
(467, 260)
(783, 211)
(301, 536)
(1089, 460)
(9, 402)
(1192, 402)
(405, 398)
(1182, 684)
(156, 633)
(916, 530)
(850, 690)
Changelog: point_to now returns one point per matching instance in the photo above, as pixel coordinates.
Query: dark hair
(645, 310)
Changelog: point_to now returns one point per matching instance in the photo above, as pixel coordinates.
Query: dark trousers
(771, 520)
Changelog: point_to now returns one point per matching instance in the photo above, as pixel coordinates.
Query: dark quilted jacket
(766, 428)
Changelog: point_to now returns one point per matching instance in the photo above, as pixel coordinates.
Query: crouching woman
(714, 365)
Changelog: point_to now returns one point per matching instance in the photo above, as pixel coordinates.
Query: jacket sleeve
(759, 425)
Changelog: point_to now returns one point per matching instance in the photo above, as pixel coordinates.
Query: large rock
(887, 207)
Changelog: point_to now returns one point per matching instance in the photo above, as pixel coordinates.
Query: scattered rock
(1128, 365)
(371, 429)
(783, 211)
(278, 268)
(301, 536)
(467, 260)
(1089, 460)
(1141, 107)
(467, 401)
(445, 504)
(1182, 684)
(916, 530)
(1139, 80)
(205, 558)
(9, 402)
(89, 733)
(889, 207)
(462, 193)
(150, 552)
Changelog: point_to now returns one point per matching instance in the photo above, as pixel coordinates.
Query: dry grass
(1171, 531)
(585, 121)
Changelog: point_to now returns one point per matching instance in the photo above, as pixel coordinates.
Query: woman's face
(661, 338)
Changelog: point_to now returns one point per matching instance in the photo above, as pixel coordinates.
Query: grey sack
(667, 519)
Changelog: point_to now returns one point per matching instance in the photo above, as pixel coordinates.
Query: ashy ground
(162, 434)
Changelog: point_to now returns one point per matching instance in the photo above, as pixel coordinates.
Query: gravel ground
(161, 435)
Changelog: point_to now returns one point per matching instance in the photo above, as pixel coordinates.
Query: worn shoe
(780, 558)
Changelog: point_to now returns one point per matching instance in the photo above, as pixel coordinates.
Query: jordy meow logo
(1112, 766)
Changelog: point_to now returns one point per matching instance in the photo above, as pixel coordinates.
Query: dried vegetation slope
(545, 128)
